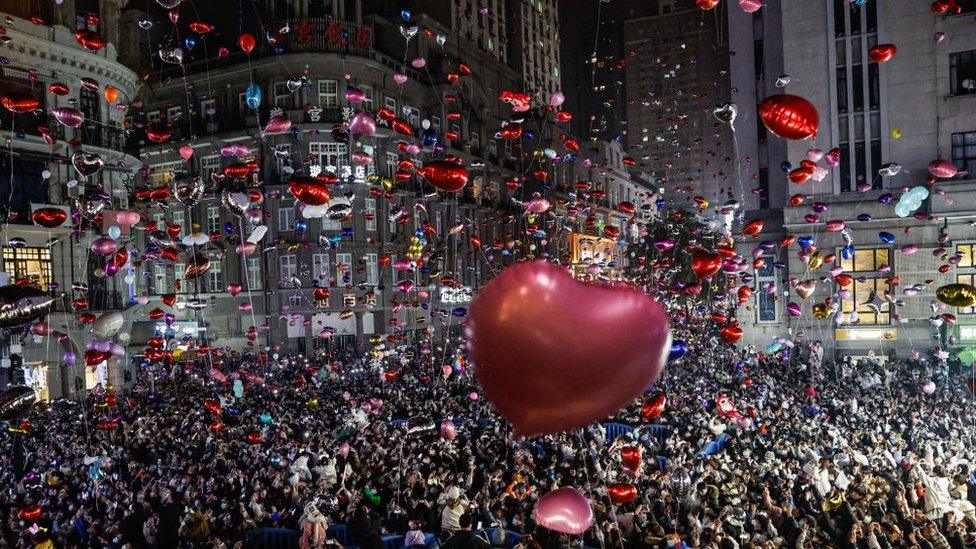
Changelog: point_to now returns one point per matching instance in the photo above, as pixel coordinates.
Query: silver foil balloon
(187, 189)
(87, 164)
(236, 202)
(88, 205)
(15, 401)
(726, 112)
(338, 208)
(21, 305)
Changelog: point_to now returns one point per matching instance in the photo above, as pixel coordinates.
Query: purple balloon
(864, 217)
(818, 207)
(69, 358)
(885, 198)
(104, 246)
(68, 116)
(362, 123)
(564, 510)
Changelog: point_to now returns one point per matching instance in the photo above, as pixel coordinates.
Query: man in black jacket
(465, 538)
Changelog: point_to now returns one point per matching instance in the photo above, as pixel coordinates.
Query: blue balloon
(429, 137)
(335, 239)
(459, 312)
(678, 349)
(864, 217)
(805, 242)
(346, 232)
(229, 228)
(886, 237)
(659, 203)
(301, 225)
(253, 95)
(190, 42)
(847, 252)
(786, 166)
(406, 15)
(114, 232)
(266, 418)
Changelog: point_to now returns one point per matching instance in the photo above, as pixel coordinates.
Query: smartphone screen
(479, 526)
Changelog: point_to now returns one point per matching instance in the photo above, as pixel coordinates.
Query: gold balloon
(387, 184)
(805, 289)
(957, 295)
(820, 310)
(816, 260)
(313, 402)
(375, 339)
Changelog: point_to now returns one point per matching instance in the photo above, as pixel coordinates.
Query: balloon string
(247, 277)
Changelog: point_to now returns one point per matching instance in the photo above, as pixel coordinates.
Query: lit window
(371, 211)
(254, 273)
(288, 268)
(286, 219)
(215, 277)
(32, 264)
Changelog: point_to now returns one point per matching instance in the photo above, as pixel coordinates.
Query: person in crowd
(331, 447)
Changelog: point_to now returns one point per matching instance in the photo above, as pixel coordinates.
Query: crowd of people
(750, 451)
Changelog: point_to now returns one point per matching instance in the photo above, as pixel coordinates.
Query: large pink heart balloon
(564, 510)
(554, 354)
(750, 6)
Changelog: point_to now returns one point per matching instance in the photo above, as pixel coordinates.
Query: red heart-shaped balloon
(654, 407)
(554, 354)
(621, 493)
(173, 230)
(705, 263)
(631, 457)
(168, 299)
(730, 333)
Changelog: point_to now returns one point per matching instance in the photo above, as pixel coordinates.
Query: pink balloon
(104, 246)
(750, 6)
(418, 63)
(127, 219)
(355, 95)
(564, 510)
(278, 124)
(344, 449)
(400, 79)
(448, 430)
(186, 152)
(554, 354)
(943, 169)
(929, 387)
(362, 123)
(68, 116)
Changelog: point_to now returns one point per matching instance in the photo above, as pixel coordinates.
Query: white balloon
(108, 324)
(257, 234)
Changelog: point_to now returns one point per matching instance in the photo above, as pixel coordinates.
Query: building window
(343, 269)
(282, 160)
(368, 100)
(372, 270)
(865, 260)
(867, 291)
(320, 269)
(287, 268)
(330, 156)
(162, 174)
(286, 219)
(209, 165)
(971, 280)
(215, 277)
(371, 212)
(254, 273)
(391, 104)
(207, 107)
(181, 286)
(88, 103)
(964, 150)
(328, 94)
(213, 219)
(179, 219)
(967, 255)
(282, 95)
(392, 160)
(962, 72)
(160, 280)
(32, 264)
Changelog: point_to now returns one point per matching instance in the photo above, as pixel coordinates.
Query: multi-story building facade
(676, 75)
(63, 56)
(337, 282)
(889, 121)
(594, 61)
(534, 38)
